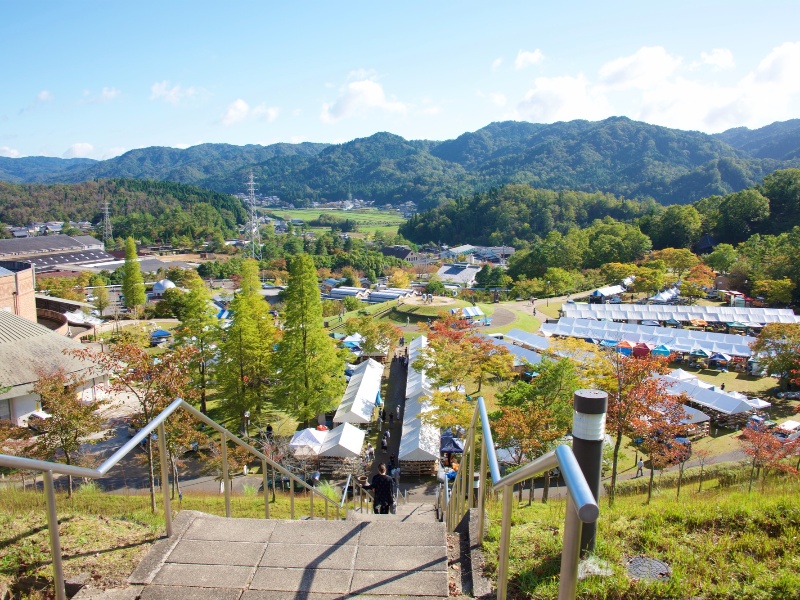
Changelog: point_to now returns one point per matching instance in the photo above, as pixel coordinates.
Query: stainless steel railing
(49, 468)
(456, 500)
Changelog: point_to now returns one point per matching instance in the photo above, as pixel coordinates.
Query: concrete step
(254, 559)
(407, 513)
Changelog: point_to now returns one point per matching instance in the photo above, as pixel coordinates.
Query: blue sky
(95, 79)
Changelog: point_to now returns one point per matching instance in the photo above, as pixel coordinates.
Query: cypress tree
(132, 281)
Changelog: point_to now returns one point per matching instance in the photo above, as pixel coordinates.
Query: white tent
(680, 340)
(707, 398)
(417, 382)
(344, 441)
(419, 441)
(531, 340)
(307, 442)
(358, 402)
(712, 314)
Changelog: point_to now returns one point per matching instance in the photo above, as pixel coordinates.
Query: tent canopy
(467, 311)
(344, 441)
(449, 444)
(307, 442)
(531, 340)
(359, 398)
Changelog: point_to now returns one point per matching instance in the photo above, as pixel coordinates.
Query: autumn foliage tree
(634, 393)
(154, 381)
(71, 420)
(766, 451)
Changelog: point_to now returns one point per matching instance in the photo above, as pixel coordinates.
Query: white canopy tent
(344, 441)
(419, 441)
(531, 340)
(358, 402)
(679, 340)
(714, 314)
(307, 442)
(707, 398)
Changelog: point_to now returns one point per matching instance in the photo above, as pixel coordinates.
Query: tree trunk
(546, 488)
(680, 479)
(700, 486)
(203, 406)
(617, 445)
(176, 483)
(530, 493)
(752, 472)
(650, 483)
(520, 491)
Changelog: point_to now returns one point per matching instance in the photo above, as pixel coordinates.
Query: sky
(95, 79)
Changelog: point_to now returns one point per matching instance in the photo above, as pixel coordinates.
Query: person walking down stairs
(384, 490)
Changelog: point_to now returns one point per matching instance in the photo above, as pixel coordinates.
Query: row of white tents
(684, 314)
(420, 441)
(358, 404)
(676, 340)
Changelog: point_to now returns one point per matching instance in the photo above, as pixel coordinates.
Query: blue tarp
(160, 333)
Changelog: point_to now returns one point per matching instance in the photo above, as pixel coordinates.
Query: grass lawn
(105, 534)
(369, 220)
(721, 543)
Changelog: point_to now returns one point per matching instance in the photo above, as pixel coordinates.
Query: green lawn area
(369, 220)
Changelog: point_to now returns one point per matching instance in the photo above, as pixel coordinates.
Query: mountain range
(616, 155)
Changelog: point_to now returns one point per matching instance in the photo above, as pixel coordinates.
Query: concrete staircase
(406, 513)
(366, 556)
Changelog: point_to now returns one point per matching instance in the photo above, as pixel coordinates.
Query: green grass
(106, 534)
(721, 543)
(370, 220)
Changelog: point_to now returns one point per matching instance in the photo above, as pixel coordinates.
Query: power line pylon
(108, 233)
(253, 232)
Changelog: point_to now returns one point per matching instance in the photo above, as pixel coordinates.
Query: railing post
(55, 542)
(312, 505)
(505, 543)
(570, 553)
(226, 483)
(588, 434)
(291, 497)
(471, 483)
(265, 477)
(482, 492)
(162, 450)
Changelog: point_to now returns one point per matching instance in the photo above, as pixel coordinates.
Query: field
(720, 543)
(369, 220)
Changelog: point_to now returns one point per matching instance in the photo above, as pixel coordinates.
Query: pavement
(250, 559)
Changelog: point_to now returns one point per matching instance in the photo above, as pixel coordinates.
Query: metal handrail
(49, 468)
(581, 505)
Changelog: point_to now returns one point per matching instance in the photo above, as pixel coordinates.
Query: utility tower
(253, 232)
(108, 234)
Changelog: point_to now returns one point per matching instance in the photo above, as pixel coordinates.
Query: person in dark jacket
(384, 490)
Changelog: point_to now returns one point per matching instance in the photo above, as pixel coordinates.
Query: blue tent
(660, 350)
(378, 400)
(159, 334)
(449, 444)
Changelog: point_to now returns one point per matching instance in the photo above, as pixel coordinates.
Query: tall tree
(776, 348)
(200, 329)
(101, 299)
(246, 354)
(71, 421)
(132, 281)
(311, 375)
(634, 392)
(153, 381)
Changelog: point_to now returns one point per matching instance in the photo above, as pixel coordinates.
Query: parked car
(36, 420)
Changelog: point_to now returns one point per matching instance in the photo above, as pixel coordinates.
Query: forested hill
(617, 156)
(517, 215)
(35, 169)
(147, 210)
(780, 141)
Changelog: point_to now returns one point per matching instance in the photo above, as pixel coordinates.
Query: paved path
(254, 559)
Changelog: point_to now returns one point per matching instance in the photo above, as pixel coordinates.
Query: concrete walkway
(251, 559)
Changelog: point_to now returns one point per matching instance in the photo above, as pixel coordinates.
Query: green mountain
(617, 156)
(36, 169)
(148, 210)
(780, 141)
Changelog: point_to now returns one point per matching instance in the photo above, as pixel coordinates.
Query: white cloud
(497, 63)
(79, 150)
(525, 58)
(109, 93)
(239, 111)
(44, 96)
(498, 99)
(781, 67)
(563, 99)
(7, 152)
(174, 95)
(357, 97)
(642, 69)
(719, 58)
